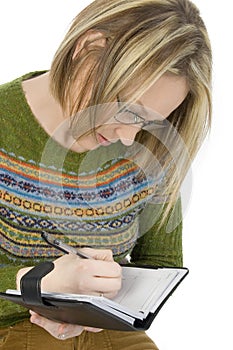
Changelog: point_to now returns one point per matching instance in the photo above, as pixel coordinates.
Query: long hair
(144, 40)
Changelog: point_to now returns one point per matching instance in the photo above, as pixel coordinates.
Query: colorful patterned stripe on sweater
(88, 210)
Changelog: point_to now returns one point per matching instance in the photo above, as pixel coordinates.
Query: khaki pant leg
(27, 336)
(116, 340)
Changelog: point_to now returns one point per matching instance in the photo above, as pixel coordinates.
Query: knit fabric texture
(99, 199)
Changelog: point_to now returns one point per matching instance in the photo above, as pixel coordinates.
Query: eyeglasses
(127, 116)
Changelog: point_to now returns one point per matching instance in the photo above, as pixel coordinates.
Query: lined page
(141, 288)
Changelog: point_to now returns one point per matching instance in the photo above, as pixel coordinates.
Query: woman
(94, 152)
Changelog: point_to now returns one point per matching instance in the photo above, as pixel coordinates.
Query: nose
(127, 133)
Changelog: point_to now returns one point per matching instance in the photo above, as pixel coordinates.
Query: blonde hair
(144, 39)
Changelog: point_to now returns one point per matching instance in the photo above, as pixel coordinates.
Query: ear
(89, 39)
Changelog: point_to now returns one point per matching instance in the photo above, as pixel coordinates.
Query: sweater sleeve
(159, 246)
(10, 312)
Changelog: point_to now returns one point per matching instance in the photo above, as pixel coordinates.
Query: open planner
(144, 291)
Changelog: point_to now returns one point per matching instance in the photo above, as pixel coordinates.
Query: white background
(199, 314)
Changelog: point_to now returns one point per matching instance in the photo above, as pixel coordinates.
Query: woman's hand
(72, 274)
(58, 330)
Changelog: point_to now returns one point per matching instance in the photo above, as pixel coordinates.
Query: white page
(143, 287)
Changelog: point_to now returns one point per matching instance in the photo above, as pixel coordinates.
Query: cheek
(166, 94)
(166, 103)
(172, 105)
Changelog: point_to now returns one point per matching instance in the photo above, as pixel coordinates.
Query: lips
(102, 140)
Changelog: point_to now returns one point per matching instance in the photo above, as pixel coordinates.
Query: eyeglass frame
(142, 121)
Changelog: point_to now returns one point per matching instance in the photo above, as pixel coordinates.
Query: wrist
(20, 274)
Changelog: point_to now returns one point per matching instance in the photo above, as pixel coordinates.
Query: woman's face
(157, 103)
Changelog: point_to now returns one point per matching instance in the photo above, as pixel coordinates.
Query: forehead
(166, 94)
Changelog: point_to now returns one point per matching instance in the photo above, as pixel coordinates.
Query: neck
(45, 108)
(49, 113)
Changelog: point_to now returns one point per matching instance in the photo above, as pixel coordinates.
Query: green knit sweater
(98, 199)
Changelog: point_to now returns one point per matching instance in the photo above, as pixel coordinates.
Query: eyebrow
(143, 108)
(145, 111)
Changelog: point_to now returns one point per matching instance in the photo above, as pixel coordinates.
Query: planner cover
(144, 291)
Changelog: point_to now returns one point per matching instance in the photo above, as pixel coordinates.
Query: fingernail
(32, 312)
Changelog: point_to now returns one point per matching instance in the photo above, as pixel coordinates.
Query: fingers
(100, 276)
(58, 330)
(84, 276)
(93, 330)
(100, 285)
(98, 254)
(100, 268)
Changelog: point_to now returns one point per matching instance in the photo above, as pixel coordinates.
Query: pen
(63, 246)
